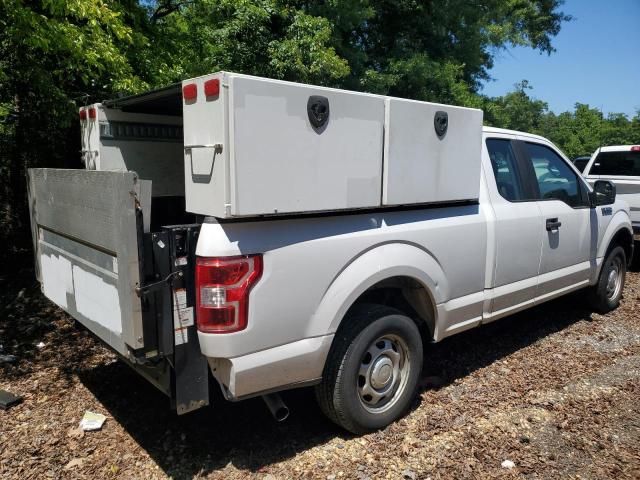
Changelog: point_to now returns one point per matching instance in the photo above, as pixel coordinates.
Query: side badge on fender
(441, 123)
(318, 112)
(606, 211)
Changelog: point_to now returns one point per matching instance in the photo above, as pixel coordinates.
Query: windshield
(580, 163)
(617, 163)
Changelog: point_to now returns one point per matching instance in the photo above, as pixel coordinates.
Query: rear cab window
(617, 164)
(505, 169)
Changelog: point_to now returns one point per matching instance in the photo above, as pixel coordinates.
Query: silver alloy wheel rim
(614, 278)
(383, 373)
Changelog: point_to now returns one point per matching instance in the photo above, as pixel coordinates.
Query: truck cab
(553, 211)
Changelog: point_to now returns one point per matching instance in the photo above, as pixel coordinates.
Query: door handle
(553, 224)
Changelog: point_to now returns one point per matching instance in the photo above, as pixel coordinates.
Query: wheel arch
(619, 232)
(623, 237)
(402, 275)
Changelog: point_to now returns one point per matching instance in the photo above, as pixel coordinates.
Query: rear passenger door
(570, 235)
(518, 227)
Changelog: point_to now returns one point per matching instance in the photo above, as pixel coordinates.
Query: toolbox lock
(441, 123)
(318, 112)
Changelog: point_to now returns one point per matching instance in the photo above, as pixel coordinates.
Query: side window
(555, 179)
(503, 161)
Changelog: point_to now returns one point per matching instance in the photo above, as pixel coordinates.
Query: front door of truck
(569, 235)
(517, 231)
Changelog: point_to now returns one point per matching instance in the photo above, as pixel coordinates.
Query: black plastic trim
(341, 213)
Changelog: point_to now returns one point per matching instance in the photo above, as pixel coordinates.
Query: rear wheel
(606, 294)
(372, 371)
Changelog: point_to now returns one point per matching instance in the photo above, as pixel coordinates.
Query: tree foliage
(56, 55)
(577, 133)
(431, 50)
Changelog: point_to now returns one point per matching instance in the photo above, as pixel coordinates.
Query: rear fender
(380, 263)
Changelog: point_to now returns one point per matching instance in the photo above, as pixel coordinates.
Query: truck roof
(618, 148)
(486, 129)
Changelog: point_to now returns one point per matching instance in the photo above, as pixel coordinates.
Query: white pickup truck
(264, 235)
(619, 164)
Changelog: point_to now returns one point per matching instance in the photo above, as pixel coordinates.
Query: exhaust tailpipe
(276, 406)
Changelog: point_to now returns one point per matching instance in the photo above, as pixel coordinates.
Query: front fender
(370, 267)
(619, 220)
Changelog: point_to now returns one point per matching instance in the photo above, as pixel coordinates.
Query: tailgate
(87, 227)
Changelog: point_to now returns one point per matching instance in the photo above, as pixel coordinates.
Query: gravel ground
(553, 390)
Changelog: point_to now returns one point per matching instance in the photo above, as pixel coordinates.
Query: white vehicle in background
(260, 235)
(619, 164)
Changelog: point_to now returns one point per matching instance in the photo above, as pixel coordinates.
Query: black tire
(373, 333)
(606, 294)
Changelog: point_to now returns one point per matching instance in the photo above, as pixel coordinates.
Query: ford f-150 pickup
(263, 235)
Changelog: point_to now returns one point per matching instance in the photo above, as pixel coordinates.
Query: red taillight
(190, 91)
(83, 114)
(92, 113)
(635, 148)
(212, 88)
(222, 292)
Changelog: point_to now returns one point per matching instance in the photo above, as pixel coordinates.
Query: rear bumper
(280, 368)
(636, 231)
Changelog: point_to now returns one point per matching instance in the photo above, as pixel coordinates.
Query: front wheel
(606, 294)
(372, 371)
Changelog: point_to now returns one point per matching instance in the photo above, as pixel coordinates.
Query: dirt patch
(553, 390)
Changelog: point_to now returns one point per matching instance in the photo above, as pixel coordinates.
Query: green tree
(577, 133)
(585, 129)
(422, 49)
(516, 110)
(58, 54)
(438, 50)
(260, 37)
(55, 54)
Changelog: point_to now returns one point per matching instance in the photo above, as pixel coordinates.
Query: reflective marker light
(222, 291)
(83, 114)
(190, 91)
(214, 297)
(212, 88)
(92, 113)
(635, 148)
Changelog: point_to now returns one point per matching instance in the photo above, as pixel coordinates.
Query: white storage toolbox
(421, 166)
(255, 146)
(251, 149)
